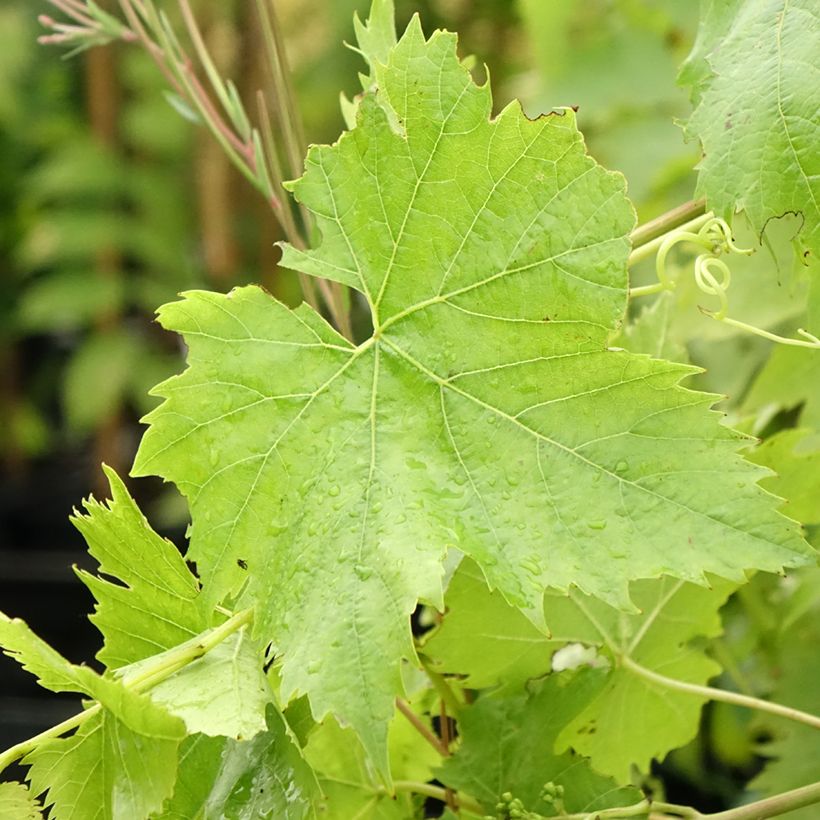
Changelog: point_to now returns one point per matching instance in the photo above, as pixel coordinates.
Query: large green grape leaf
(156, 605)
(266, 777)
(486, 411)
(105, 771)
(755, 76)
(507, 746)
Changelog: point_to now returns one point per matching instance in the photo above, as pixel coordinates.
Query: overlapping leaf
(223, 778)
(326, 479)
(55, 673)
(504, 648)
(507, 746)
(755, 76)
(104, 771)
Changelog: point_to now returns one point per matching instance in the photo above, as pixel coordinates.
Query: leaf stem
(21, 749)
(404, 707)
(759, 810)
(149, 675)
(710, 693)
(438, 793)
(445, 691)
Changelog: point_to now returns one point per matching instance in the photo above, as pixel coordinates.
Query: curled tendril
(713, 275)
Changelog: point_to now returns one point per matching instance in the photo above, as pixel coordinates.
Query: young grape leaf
(486, 411)
(105, 771)
(54, 672)
(755, 76)
(264, 777)
(507, 746)
(632, 718)
(223, 693)
(17, 803)
(483, 637)
(156, 605)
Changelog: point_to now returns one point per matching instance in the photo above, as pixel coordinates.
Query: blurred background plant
(115, 198)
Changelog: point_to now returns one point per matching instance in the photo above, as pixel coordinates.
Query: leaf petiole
(711, 693)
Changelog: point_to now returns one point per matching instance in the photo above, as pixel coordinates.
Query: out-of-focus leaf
(68, 300)
(98, 376)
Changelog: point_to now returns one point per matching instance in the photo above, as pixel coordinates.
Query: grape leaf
(351, 786)
(156, 605)
(54, 672)
(504, 647)
(755, 77)
(225, 692)
(673, 614)
(790, 379)
(507, 746)
(262, 778)
(794, 750)
(794, 455)
(483, 637)
(17, 803)
(104, 771)
(326, 479)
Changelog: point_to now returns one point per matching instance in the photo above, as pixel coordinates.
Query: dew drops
(334, 491)
(362, 572)
(599, 524)
(313, 667)
(621, 467)
(213, 456)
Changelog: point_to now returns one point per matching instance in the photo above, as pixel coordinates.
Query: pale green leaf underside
(486, 411)
(630, 719)
(755, 76)
(223, 693)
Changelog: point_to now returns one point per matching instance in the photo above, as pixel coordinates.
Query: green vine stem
(668, 221)
(148, 676)
(710, 693)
